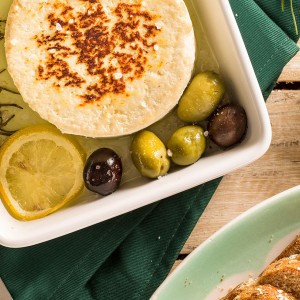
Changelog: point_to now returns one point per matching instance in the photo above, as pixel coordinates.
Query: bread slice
(283, 274)
(238, 289)
(100, 68)
(263, 292)
(292, 249)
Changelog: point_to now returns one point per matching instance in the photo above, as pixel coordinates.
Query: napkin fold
(129, 256)
(269, 35)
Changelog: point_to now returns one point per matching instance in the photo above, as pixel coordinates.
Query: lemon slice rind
(66, 173)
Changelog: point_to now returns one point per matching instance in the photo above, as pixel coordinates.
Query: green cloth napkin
(129, 256)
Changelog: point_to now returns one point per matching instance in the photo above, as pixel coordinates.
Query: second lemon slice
(40, 171)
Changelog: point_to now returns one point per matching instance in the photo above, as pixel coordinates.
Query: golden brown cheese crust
(100, 68)
(92, 42)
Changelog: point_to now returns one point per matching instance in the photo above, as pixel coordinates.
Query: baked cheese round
(100, 68)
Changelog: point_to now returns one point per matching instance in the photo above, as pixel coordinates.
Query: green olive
(201, 97)
(149, 154)
(186, 145)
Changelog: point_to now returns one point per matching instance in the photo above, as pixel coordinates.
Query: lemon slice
(40, 171)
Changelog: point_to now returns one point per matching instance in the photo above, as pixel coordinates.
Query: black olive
(103, 171)
(227, 126)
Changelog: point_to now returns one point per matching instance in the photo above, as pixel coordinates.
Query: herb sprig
(293, 14)
(4, 122)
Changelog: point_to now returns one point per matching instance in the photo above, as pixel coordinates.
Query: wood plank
(291, 72)
(276, 171)
(176, 264)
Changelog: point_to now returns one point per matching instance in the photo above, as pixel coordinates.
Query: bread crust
(100, 68)
(284, 274)
(263, 292)
(292, 249)
(239, 289)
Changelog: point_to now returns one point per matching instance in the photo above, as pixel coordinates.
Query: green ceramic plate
(238, 251)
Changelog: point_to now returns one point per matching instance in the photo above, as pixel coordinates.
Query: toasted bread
(284, 274)
(238, 289)
(263, 292)
(291, 249)
(279, 280)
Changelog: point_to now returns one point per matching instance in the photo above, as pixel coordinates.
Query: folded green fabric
(129, 256)
(269, 46)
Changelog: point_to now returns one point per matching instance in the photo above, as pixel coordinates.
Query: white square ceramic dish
(221, 29)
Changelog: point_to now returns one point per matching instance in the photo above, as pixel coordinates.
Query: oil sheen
(205, 60)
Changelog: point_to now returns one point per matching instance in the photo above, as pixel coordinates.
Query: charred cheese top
(100, 68)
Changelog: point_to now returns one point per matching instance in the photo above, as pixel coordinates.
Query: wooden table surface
(277, 170)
